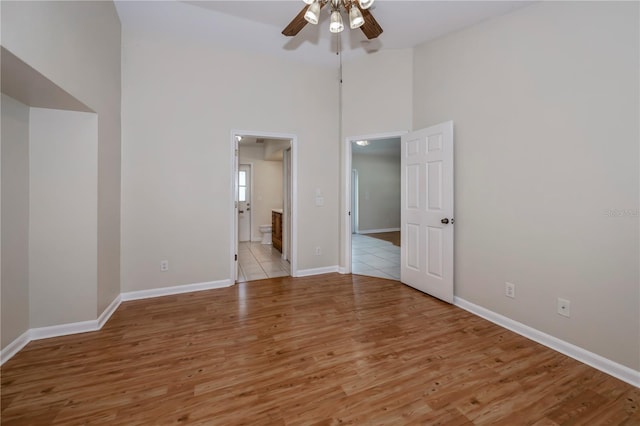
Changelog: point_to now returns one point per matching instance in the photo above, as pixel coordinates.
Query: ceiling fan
(357, 10)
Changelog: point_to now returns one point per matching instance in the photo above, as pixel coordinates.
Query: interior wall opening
(372, 194)
(264, 199)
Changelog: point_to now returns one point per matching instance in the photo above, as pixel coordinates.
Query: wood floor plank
(324, 350)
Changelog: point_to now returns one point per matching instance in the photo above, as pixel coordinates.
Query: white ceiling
(388, 147)
(257, 25)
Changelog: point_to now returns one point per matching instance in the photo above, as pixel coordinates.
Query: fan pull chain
(339, 53)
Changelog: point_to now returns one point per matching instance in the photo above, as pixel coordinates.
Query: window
(242, 185)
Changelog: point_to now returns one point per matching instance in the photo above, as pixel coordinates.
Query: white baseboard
(377, 231)
(316, 271)
(178, 289)
(342, 270)
(76, 327)
(63, 329)
(106, 314)
(596, 361)
(14, 347)
(94, 325)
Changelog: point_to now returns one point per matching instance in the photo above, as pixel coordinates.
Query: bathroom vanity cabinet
(276, 226)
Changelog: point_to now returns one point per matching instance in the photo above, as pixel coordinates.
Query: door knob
(445, 221)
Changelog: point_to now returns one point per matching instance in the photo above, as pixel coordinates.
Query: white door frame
(355, 202)
(345, 238)
(286, 195)
(234, 197)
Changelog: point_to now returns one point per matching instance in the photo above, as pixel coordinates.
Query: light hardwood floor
(324, 350)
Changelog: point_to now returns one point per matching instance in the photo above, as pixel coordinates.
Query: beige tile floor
(259, 261)
(370, 256)
(374, 257)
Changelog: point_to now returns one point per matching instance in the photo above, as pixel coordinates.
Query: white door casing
(293, 214)
(286, 228)
(427, 210)
(244, 202)
(234, 215)
(354, 201)
(347, 167)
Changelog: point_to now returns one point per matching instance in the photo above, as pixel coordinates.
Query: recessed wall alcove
(49, 196)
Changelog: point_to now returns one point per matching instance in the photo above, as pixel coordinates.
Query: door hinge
(349, 213)
(236, 258)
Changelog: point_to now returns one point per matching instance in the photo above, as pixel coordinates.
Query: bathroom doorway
(264, 206)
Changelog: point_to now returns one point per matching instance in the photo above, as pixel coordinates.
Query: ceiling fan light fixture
(365, 4)
(336, 24)
(355, 17)
(313, 13)
(353, 10)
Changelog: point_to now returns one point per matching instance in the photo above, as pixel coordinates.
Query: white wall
(545, 107)
(178, 115)
(377, 94)
(77, 46)
(267, 187)
(63, 152)
(378, 191)
(15, 219)
(274, 149)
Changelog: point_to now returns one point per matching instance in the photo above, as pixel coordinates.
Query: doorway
(427, 195)
(264, 205)
(372, 198)
(375, 241)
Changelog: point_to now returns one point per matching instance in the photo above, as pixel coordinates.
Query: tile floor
(373, 257)
(370, 256)
(260, 261)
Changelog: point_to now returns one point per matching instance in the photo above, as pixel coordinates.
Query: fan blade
(298, 23)
(370, 28)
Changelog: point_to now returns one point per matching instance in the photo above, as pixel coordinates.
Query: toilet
(266, 234)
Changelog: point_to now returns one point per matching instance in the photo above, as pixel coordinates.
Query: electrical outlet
(564, 307)
(164, 265)
(318, 251)
(510, 290)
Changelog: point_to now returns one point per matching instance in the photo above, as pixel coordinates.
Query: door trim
(345, 237)
(287, 182)
(233, 272)
(355, 202)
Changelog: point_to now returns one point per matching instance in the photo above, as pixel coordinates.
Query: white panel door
(244, 202)
(427, 210)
